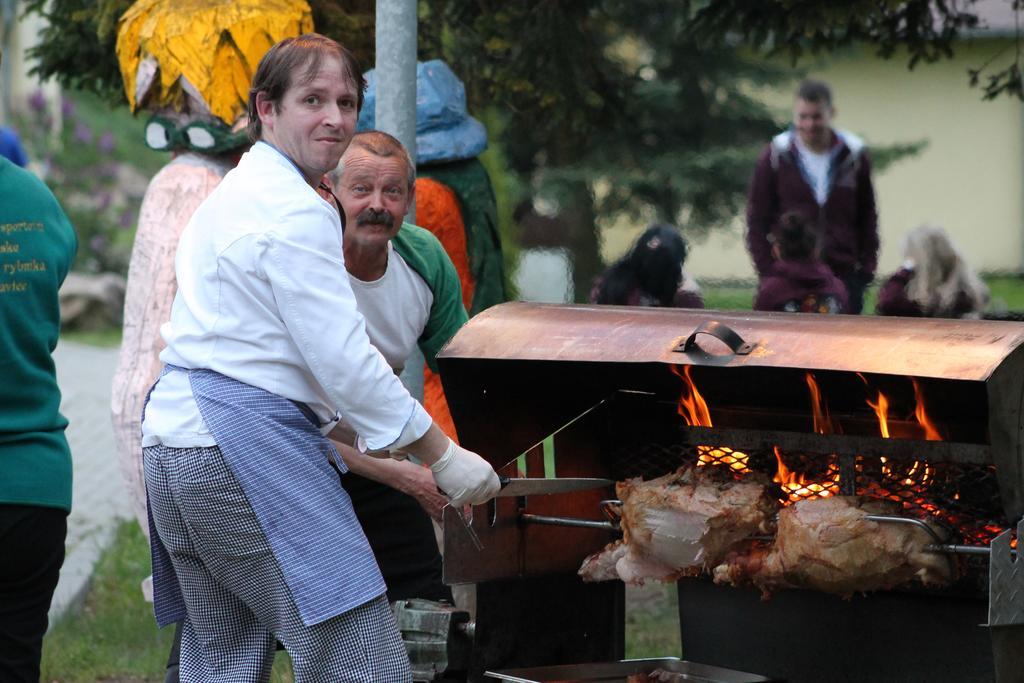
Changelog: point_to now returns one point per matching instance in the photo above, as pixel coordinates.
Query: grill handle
(719, 331)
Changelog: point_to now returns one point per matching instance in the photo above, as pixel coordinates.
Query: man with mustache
(407, 289)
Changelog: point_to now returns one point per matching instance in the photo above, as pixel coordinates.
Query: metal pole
(396, 110)
(8, 16)
(396, 74)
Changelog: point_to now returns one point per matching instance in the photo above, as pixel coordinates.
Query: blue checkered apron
(276, 452)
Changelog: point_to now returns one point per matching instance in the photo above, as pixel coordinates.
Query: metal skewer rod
(528, 518)
(907, 520)
(921, 524)
(954, 549)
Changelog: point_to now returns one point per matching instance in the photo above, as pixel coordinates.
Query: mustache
(374, 217)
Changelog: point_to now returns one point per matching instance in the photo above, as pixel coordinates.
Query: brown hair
(795, 237)
(812, 90)
(380, 144)
(273, 76)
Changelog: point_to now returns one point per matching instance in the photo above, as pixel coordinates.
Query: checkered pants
(235, 594)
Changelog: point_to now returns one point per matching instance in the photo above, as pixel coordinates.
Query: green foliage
(926, 29)
(607, 109)
(883, 157)
(542, 62)
(351, 23)
(504, 185)
(98, 168)
(77, 46)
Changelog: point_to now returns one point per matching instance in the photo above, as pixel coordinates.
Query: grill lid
(517, 372)
(922, 347)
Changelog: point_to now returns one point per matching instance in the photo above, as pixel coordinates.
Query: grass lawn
(113, 636)
(1007, 294)
(109, 337)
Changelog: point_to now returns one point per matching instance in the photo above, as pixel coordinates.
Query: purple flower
(104, 201)
(83, 133)
(106, 143)
(37, 101)
(98, 243)
(67, 107)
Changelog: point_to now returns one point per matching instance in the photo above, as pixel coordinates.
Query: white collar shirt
(263, 297)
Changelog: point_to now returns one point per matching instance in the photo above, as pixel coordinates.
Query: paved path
(100, 499)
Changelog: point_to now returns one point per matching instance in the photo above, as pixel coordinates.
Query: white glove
(465, 477)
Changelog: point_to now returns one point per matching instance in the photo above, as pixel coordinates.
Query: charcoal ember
(828, 544)
(681, 523)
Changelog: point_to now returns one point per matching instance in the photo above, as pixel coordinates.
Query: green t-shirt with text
(37, 247)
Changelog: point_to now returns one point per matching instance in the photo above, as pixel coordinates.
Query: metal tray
(616, 672)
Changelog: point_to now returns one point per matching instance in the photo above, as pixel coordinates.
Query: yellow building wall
(968, 179)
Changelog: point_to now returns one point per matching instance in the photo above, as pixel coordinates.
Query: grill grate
(962, 498)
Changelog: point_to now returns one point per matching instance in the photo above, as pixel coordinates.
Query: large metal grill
(520, 372)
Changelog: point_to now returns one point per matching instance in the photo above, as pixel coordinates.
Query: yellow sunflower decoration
(171, 51)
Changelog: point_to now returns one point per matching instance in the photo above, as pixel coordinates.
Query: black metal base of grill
(808, 637)
(546, 621)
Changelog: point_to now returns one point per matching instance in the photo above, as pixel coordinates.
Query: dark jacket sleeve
(761, 298)
(762, 211)
(686, 298)
(867, 217)
(892, 297)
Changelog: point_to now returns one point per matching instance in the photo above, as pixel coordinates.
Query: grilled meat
(827, 544)
(601, 565)
(680, 523)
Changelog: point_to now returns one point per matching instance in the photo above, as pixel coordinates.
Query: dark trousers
(32, 539)
(855, 283)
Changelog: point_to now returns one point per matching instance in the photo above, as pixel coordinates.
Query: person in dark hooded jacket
(825, 174)
(798, 281)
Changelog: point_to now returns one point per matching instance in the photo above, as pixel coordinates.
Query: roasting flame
(881, 408)
(694, 411)
(920, 488)
(797, 487)
(692, 405)
(931, 431)
(822, 421)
